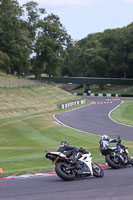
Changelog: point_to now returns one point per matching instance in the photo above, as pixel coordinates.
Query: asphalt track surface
(95, 119)
(115, 185)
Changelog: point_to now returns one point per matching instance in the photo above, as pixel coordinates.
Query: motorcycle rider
(106, 140)
(70, 151)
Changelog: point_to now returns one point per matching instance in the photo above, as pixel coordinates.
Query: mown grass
(25, 154)
(124, 113)
(27, 127)
(28, 155)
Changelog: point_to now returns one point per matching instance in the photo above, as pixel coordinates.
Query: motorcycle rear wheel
(112, 163)
(97, 171)
(63, 172)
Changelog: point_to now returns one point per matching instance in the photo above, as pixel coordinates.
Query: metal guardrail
(103, 95)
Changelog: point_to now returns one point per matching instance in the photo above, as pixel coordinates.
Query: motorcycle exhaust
(121, 158)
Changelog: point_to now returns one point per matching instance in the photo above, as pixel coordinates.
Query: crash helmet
(64, 143)
(105, 137)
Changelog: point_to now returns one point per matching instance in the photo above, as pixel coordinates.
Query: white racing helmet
(105, 137)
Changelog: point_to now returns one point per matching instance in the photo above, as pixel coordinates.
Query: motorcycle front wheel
(97, 170)
(63, 171)
(131, 160)
(112, 162)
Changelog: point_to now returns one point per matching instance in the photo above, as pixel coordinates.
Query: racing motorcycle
(116, 156)
(67, 170)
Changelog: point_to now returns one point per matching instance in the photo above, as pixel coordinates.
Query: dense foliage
(32, 41)
(107, 54)
(26, 31)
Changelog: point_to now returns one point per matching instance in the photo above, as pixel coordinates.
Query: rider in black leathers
(70, 151)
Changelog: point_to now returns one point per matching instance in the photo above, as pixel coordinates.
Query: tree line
(107, 54)
(32, 41)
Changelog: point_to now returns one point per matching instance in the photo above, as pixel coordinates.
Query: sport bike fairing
(87, 159)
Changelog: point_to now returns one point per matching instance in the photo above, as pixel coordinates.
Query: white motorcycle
(67, 170)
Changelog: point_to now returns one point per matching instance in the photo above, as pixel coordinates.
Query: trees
(14, 37)
(116, 43)
(70, 66)
(32, 15)
(107, 54)
(28, 30)
(4, 62)
(129, 34)
(51, 41)
(30, 37)
(86, 58)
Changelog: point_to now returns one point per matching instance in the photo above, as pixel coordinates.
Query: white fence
(73, 103)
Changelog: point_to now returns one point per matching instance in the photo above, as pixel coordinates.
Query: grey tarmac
(95, 119)
(115, 185)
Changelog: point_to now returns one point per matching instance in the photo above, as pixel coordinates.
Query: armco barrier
(103, 95)
(73, 103)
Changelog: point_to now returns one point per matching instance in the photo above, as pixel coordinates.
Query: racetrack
(115, 185)
(94, 119)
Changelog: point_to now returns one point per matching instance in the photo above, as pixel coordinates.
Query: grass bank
(27, 127)
(124, 113)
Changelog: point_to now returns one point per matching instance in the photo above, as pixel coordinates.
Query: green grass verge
(25, 142)
(124, 114)
(24, 150)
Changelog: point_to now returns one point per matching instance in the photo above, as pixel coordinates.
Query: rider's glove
(81, 150)
(77, 149)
